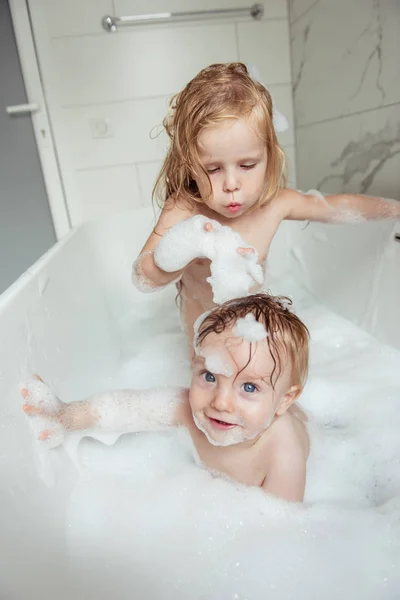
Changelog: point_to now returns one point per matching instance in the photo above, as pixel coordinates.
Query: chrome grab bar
(111, 24)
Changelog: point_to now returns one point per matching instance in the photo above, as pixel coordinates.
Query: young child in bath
(225, 167)
(249, 367)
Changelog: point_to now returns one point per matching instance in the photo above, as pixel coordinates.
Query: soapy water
(146, 521)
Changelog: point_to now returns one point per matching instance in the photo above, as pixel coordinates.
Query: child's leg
(42, 403)
(116, 411)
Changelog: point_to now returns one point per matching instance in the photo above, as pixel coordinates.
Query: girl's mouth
(234, 207)
(223, 425)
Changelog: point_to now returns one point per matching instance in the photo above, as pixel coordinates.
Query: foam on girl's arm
(339, 208)
(147, 277)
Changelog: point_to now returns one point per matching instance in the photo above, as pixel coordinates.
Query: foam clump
(249, 329)
(215, 361)
(232, 273)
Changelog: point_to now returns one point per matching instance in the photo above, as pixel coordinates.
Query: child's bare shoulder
(286, 459)
(285, 199)
(289, 436)
(174, 211)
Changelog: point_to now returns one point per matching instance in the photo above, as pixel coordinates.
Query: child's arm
(336, 208)
(146, 275)
(286, 477)
(117, 411)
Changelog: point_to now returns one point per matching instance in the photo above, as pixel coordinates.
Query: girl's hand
(245, 251)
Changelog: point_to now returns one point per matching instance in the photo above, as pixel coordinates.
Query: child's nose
(222, 401)
(231, 182)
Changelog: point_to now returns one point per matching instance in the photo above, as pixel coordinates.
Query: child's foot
(43, 404)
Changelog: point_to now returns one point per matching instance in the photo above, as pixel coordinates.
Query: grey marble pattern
(358, 153)
(344, 56)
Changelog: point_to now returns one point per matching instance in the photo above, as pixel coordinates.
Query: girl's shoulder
(284, 200)
(174, 211)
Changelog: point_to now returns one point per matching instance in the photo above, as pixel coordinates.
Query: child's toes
(45, 435)
(37, 394)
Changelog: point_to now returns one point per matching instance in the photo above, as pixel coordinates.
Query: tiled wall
(108, 93)
(346, 82)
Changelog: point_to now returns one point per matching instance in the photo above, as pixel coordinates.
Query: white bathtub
(75, 318)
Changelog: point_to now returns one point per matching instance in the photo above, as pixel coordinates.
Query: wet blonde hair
(287, 335)
(219, 92)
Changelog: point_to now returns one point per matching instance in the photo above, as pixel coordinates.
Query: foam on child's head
(217, 93)
(260, 317)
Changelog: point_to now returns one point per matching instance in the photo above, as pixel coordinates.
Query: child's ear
(291, 395)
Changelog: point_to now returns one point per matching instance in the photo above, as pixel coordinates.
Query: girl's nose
(231, 182)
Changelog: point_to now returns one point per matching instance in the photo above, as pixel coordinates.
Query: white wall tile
(344, 58)
(148, 173)
(297, 8)
(290, 152)
(135, 128)
(136, 64)
(75, 17)
(272, 8)
(357, 153)
(282, 97)
(265, 44)
(106, 191)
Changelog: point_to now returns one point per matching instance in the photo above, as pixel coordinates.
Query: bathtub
(77, 529)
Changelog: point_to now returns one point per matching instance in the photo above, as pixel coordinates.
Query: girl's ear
(291, 395)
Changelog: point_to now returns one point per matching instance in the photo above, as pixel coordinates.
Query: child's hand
(244, 251)
(46, 409)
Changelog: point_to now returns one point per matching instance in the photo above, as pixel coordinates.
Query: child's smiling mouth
(223, 425)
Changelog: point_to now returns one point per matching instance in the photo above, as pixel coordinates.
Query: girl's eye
(211, 171)
(249, 387)
(248, 167)
(209, 377)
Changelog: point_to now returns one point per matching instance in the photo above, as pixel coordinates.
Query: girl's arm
(146, 275)
(117, 411)
(336, 208)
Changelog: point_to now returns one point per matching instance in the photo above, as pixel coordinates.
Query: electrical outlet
(101, 128)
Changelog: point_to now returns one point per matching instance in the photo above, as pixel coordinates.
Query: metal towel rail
(111, 24)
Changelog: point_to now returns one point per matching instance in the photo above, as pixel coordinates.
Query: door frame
(41, 122)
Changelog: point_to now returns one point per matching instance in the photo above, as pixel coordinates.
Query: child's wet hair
(218, 93)
(287, 336)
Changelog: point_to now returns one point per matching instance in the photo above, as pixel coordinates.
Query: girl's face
(235, 158)
(231, 398)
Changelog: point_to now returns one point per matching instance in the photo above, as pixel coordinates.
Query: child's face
(235, 158)
(232, 401)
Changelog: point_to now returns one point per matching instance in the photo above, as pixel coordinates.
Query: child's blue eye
(209, 377)
(248, 167)
(211, 171)
(249, 387)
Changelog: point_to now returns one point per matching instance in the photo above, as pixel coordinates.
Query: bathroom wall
(108, 93)
(346, 90)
